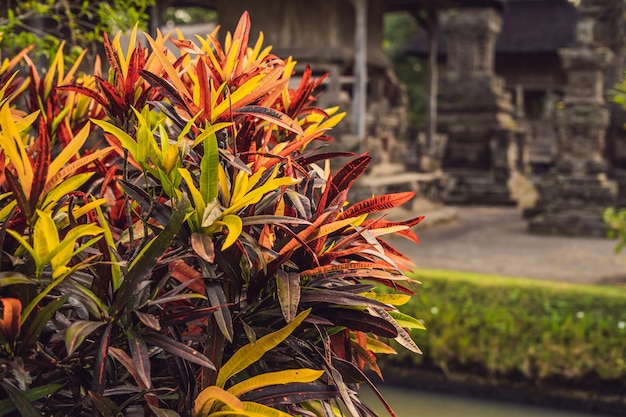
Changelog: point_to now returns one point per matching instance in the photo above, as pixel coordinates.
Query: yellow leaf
(45, 236)
(70, 150)
(376, 346)
(275, 378)
(208, 396)
(251, 353)
(393, 299)
(11, 142)
(235, 226)
(210, 130)
(53, 195)
(333, 227)
(388, 230)
(198, 201)
(253, 409)
(62, 254)
(257, 194)
(174, 78)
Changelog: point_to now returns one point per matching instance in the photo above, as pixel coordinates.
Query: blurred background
(506, 118)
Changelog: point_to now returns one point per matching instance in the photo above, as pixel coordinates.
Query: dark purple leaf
(178, 349)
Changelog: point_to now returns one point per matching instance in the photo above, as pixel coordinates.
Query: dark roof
(391, 5)
(411, 5)
(527, 26)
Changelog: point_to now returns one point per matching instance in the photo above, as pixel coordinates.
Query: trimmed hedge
(519, 328)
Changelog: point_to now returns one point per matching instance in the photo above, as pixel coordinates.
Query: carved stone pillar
(574, 195)
(610, 31)
(475, 111)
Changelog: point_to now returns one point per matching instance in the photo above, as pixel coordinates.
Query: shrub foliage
(521, 329)
(174, 242)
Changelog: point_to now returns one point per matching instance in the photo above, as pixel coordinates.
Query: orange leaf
(10, 322)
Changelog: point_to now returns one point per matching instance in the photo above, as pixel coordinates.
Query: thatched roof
(528, 26)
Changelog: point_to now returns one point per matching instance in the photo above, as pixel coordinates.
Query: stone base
(572, 206)
(478, 187)
(569, 223)
(619, 176)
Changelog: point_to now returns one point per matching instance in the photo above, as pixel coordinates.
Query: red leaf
(346, 176)
(85, 91)
(116, 103)
(97, 385)
(272, 116)
(42, 162)
(205, 88)
(112, 57)
(183, 273)
(242, 32)
(378, 203)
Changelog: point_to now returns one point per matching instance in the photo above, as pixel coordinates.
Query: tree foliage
(81, 24)
(410, 70)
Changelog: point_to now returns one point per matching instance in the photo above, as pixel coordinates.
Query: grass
(507, 327)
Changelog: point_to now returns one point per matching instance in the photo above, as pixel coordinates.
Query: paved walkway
(494, 240)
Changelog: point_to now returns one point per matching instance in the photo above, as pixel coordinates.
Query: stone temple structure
(485, 147)
(573, 196)
(559, 59)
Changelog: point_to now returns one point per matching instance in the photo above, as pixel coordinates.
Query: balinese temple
(558, 61)
(527, 59)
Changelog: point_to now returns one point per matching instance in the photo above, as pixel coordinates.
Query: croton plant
(174, 242)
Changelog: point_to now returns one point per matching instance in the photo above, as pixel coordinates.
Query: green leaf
(160, 412)
(77, 332)
(21, 402)
(275, 378)
(92, 302)
(15, 278)
(222, 316)
(249, 353)
(126, 141)
(406, 321)
(288, 289)
(209, 167)
(105, 406)
(148, 257)
(32, 332)
(7, 405)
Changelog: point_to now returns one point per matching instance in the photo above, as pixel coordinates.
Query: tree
(80, 24)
